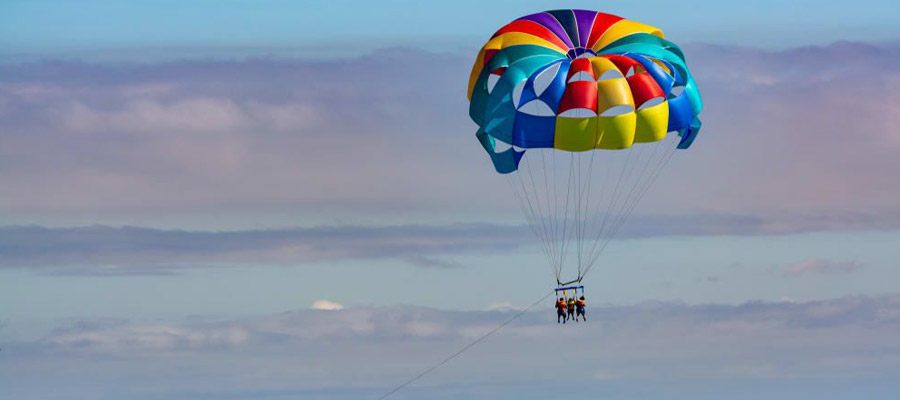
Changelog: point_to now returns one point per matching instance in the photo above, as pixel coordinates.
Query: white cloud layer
(360, 352)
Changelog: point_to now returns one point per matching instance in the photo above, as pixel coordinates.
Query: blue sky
(77, 28)
(183, 183)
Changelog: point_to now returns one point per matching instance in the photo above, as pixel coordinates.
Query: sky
(233, 199)
(324, 28)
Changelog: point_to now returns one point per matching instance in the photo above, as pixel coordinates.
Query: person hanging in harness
(579, 307)
(561, 307)
(570, 307)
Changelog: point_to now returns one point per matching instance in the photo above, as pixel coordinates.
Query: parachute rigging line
(590, 215)
(644, 189)
(466, 347)
(521, 202)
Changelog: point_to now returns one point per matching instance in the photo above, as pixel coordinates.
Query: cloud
(366, 349)
(109, 249)
(502, 306)
(120, 251)
(150, 338)
(326, 305)
(428, 262)
(821, 267)
(386, 135)
(260, 132)
(799, 140)
(403, 321)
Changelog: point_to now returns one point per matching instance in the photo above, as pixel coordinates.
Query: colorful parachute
(570, 84)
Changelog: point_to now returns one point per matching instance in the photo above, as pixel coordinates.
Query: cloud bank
(110, 251)
(789, 135)
(667, 350)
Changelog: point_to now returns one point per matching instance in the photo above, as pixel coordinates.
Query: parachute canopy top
(579, 80)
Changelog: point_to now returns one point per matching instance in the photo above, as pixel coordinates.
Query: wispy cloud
(366, 349)
(429, 262)
(816, 266)
(114, 251)
(105, 246)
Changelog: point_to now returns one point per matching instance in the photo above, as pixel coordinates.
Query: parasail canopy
(574, 85)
